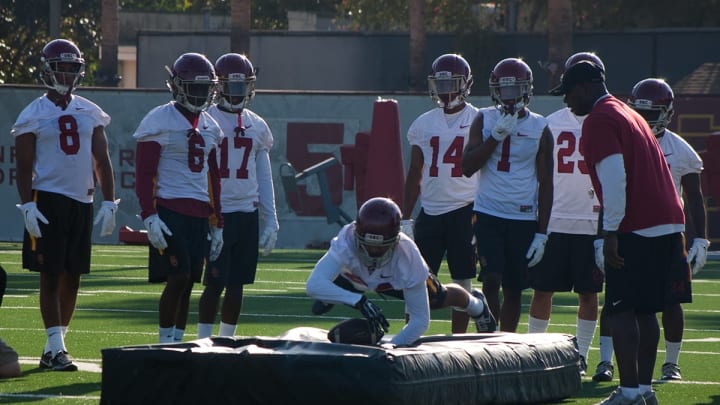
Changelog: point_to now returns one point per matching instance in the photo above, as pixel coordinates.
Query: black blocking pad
(454, 369)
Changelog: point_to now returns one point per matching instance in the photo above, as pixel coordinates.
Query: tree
(417, 44)
(240, 26)
(108, 74)
(560, 41)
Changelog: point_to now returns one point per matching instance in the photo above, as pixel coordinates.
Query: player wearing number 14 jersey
(437, 139)
(511, 147)
(247, 186)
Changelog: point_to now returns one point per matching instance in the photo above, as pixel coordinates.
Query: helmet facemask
(510, 95)
(448, 90)
(374, 250)
(657, 116)
(63, 74)
(195, 95)
(236, 91)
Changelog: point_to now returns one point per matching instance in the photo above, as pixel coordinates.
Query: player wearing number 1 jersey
(437, 139)
(247, 185)
(178, 187)
(569, 260)
(61, 149)
(511, 147)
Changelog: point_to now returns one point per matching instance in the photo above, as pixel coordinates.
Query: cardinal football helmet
(511, 85)
(192, 82)
(450, 80)
(236, 81)
(588, 56)
(376, 231)
(63, 66)
(653, 99)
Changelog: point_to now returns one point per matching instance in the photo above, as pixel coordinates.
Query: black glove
(374, 315)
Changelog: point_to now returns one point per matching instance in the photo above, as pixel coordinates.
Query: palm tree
(240, 26)
(560, 37)
(108, 75)
(417, 44)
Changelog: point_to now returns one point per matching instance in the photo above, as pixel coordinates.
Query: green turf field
(117, 307)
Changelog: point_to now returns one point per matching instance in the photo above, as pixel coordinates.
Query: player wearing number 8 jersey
(512, 148)
(247, 185)
(437, 138)
(178, 187)
(61, 148)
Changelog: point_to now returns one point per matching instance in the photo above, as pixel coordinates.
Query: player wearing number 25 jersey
(178, 187)
(511, 147)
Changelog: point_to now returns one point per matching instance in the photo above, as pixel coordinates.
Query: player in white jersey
(653, 99)
(569, 260)
(246, 180)
(511, 147)
(178, 188)
(61, 148)
(371, 254)
(437, 139)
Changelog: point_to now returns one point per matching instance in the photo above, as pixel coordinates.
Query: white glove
(155, 228)
(32, 214)
(537, 249)
(698, 252)
(599, 256)
(107, 216)
(406, 227)
(216, 242)
(268, 238)
(504, 126)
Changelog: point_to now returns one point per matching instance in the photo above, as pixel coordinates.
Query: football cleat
(485, 322)
(46, 360)
(650, 398)
(583, 366)
(63, 362)
(670, 371)
(604, 371)
(319, 307)
(618, 398)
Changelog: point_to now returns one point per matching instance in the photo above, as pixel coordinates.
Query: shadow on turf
(57, 392)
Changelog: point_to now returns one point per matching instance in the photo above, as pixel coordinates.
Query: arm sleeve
(418, 308)
(265, 189)
(214, 183)
(320, 284)
(612, 176)
(147, 157)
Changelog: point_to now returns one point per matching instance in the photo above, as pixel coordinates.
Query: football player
(569, 260)
(510, 148)
(246, 180)
(437, 139)
(178, 187)
(61, 149)
(653, 99)
(371, 254)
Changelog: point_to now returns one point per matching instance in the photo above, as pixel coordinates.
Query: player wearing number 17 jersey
(444, 224)
(511, 147)
(247, 186)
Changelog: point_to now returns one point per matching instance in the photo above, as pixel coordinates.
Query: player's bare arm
(24, 157)
(695, 203)
(412, 181)
(544, 167)
(103, 166)
(477, 152)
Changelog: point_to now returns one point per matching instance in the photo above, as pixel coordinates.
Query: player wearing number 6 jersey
(511, 147)
(178, 187)
(569, 260)
(247, 185)
(61, 149)
(437, 138)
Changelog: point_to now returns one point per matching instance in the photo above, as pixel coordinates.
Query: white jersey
(507, 184)
(63, 145)
(442, 140)
(405, 269)
(680, 156)
(237, 158)
(182, 170)
(575, 206)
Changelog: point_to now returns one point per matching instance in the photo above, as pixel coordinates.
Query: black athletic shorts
(237, 263)
(187, 247)
(568, 264)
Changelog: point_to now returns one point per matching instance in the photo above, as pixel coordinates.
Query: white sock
(630, 393)
(585, 333)
(536, 325)
(672, 351)
(166, 334)
(606, 348)
(644, 388)
(205, 330)
(475, 306)
(56, 342)
(178, 335)
(227, 329)
(64, 331)
(466, 284)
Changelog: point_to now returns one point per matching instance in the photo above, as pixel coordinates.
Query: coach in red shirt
(641, 224)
